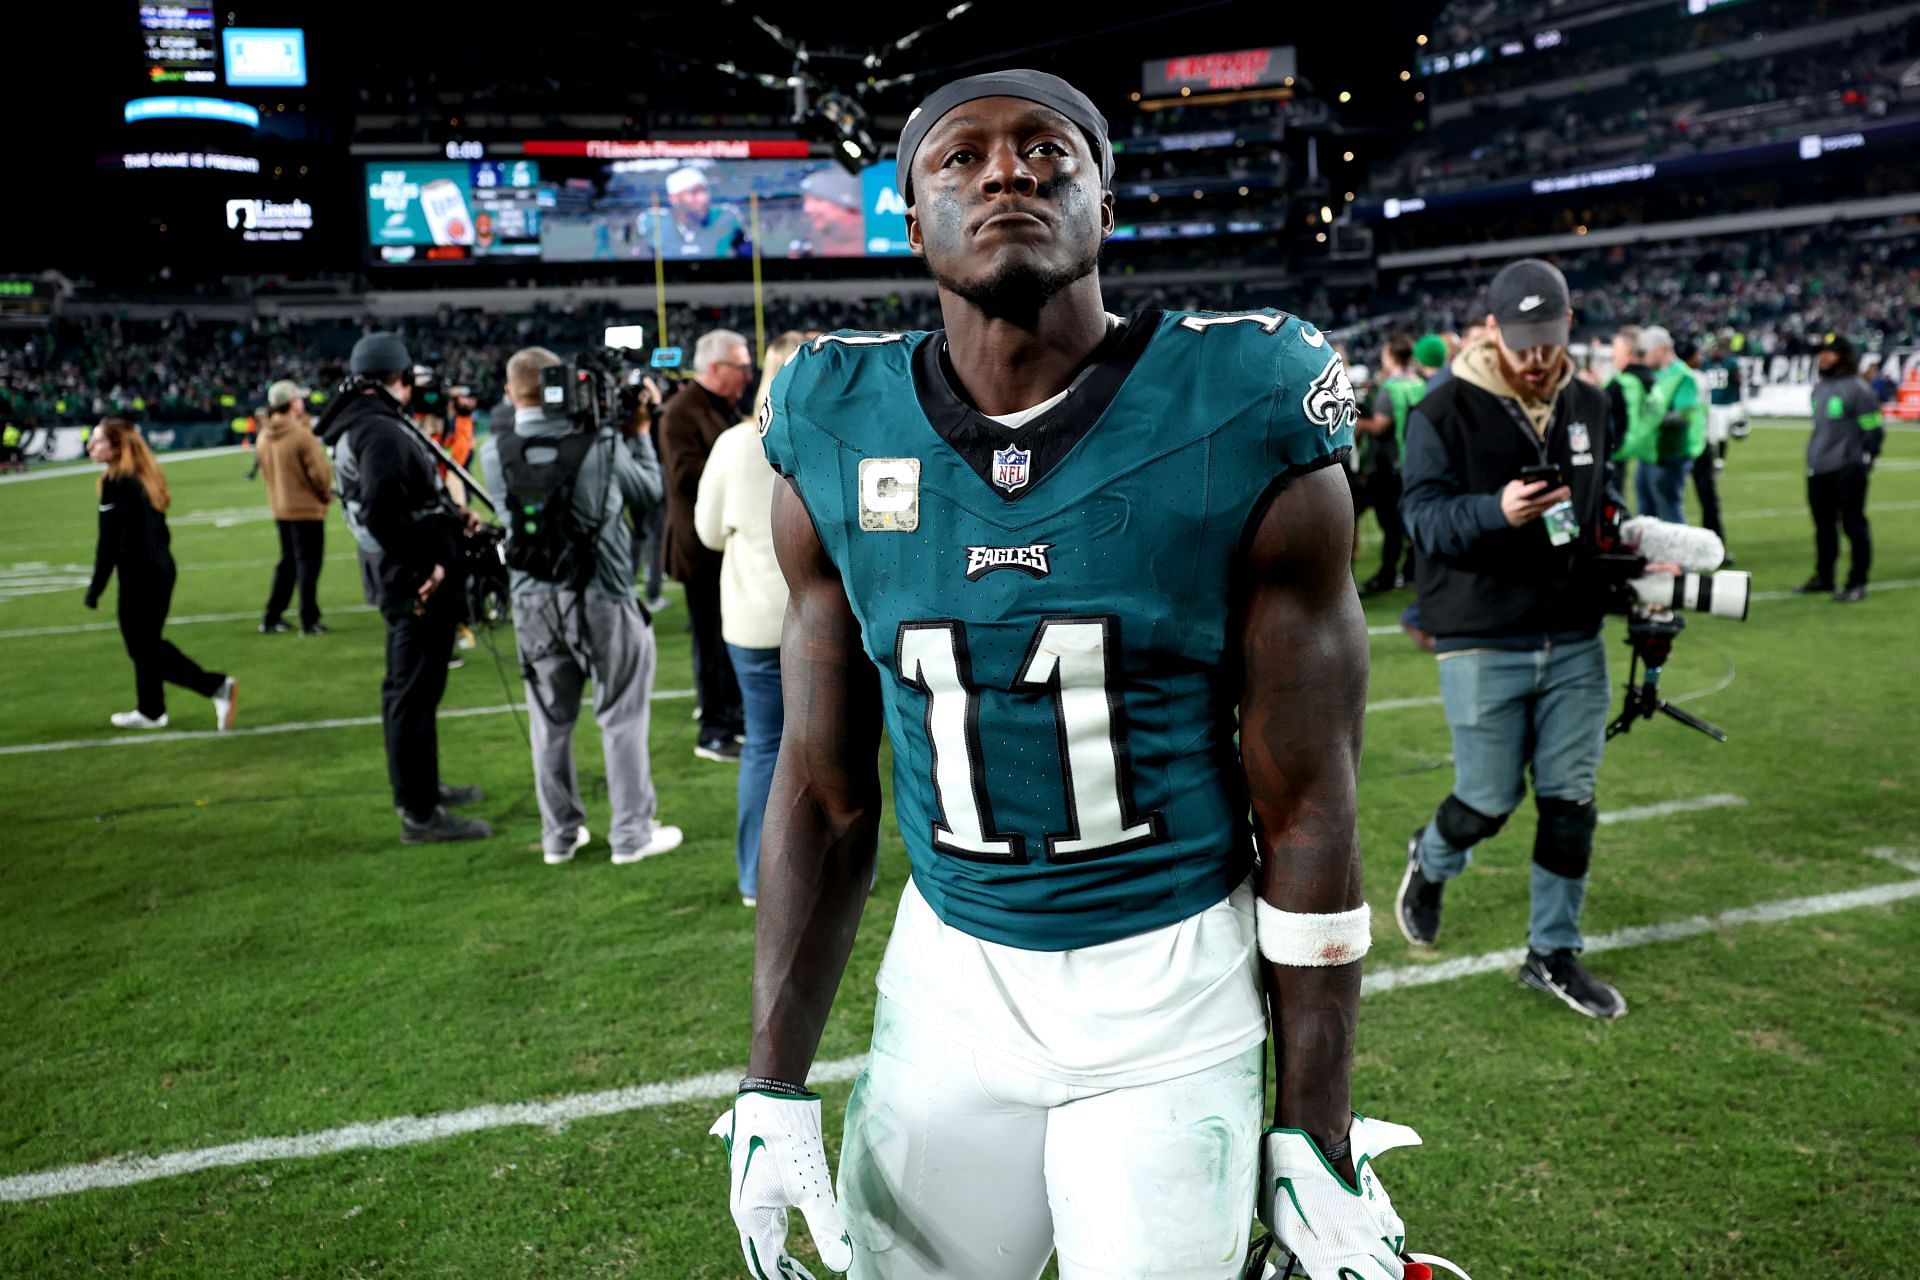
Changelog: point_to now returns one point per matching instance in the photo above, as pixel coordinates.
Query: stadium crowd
(1780, 291)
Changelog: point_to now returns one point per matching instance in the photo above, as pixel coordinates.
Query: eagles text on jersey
(1048, 605)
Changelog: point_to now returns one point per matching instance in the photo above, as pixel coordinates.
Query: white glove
(776, 1161)
(1333, 1229)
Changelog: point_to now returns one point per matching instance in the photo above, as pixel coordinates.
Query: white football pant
(955, 1166)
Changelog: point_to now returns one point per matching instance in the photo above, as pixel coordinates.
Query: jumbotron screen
(594, 210)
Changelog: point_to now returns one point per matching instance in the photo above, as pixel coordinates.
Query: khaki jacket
(294, 464)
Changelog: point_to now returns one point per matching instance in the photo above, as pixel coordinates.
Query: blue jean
(1660, 489)
(758, 671)
(1543, 708)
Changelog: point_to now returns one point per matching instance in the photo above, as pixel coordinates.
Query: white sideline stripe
(295, 726)
(399, 1131)
(1902, 584)
(1897, 858)
(137, 739)
(76, 467)
(1640, 936)
(1671, 807)
(1775, 513)
(404, 1131)
(23, 633)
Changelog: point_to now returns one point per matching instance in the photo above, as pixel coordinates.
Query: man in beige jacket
(299, 487)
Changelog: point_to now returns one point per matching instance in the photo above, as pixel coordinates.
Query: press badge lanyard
(1561, 524)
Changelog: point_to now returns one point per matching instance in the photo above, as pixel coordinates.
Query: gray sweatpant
(564, 637)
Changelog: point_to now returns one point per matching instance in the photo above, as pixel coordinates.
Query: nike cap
(1529, 298)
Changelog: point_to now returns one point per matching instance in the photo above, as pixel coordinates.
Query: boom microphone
(1694, 550)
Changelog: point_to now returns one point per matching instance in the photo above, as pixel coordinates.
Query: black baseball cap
(1017, 82)
(1530, 301)
(381, 352)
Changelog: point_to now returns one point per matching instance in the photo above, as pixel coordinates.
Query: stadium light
(1320, 237)
(1243, 191)
(1405, 76)
(1345, 96)
(1348, 157)
(1326, 213)
(1419, 39)
(1419, 97)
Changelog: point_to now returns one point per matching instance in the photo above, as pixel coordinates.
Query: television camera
(1654, 603)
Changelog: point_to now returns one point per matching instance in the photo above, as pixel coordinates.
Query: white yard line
(81, 628)
(137, 738)
(1775, 513)
(1902, 584)
(1672, 931)
(405, 1131)
(77, 468)
(1671, 807)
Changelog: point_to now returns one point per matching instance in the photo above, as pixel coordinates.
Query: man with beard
(1054, 551)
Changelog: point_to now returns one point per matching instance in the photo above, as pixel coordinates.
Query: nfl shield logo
(1010, 467)
(1578, 438)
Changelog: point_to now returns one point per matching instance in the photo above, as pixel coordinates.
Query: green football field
(244, 1032)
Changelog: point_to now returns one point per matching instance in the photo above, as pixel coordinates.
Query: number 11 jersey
(1050, 604)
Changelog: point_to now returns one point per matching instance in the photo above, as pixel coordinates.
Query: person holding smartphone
(1506, 476)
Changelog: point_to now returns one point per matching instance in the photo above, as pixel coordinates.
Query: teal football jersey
(1050, 605)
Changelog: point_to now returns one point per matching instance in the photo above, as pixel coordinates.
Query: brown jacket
(294, 465)
(689, 425)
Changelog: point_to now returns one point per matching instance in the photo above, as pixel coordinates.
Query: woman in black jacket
(134, 540)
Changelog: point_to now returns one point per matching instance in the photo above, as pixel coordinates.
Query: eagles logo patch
(766, 416)
(1329, 401)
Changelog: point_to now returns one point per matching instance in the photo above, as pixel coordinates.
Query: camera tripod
(1650, 636)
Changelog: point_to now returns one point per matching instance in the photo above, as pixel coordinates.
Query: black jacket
(1482, 582)
(390, 479)
(133, 539)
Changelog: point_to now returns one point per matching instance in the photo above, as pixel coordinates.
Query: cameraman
(1506, 484)
(574, 611)
(395, 503)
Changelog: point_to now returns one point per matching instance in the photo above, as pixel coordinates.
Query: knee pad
(1463, 826)
(1563, 843)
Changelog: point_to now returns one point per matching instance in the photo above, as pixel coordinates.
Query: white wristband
(1312, 941)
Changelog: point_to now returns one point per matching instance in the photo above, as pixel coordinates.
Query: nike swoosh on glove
(1333, 1229)
(777, 1161)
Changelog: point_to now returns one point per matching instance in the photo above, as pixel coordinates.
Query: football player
(1064, 558)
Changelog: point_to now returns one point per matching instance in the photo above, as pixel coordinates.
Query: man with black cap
(1846, 441)
(397, 507)
(1506, 482)
(1062, 556)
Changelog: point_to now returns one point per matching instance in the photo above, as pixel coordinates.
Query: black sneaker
(274, 628)
(1560, 973)
(1380, 583)
(1417, 905)
(317, 629)
(721, 750)
(1850, 595)
(454, 797)
(442, 828)
(1814, 586)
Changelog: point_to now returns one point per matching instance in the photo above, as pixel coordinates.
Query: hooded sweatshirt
(294, 465)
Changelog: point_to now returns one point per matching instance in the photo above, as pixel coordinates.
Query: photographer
(567, 483)
(396, 505)
(1506, 484)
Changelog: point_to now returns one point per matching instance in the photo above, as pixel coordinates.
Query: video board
(579, 205)
(454, 211)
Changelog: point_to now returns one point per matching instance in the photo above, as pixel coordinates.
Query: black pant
(300, 554)
(1706, 487)
(1839, 500)
(1383, 490)
(156, 663)
(417, 651)
(713, 679)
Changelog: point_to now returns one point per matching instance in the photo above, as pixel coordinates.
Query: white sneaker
(580, 838)
(225, 703)
(665, 840)
(134, 720)
(747, 901)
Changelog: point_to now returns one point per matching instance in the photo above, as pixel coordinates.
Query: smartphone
(1548, 471)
